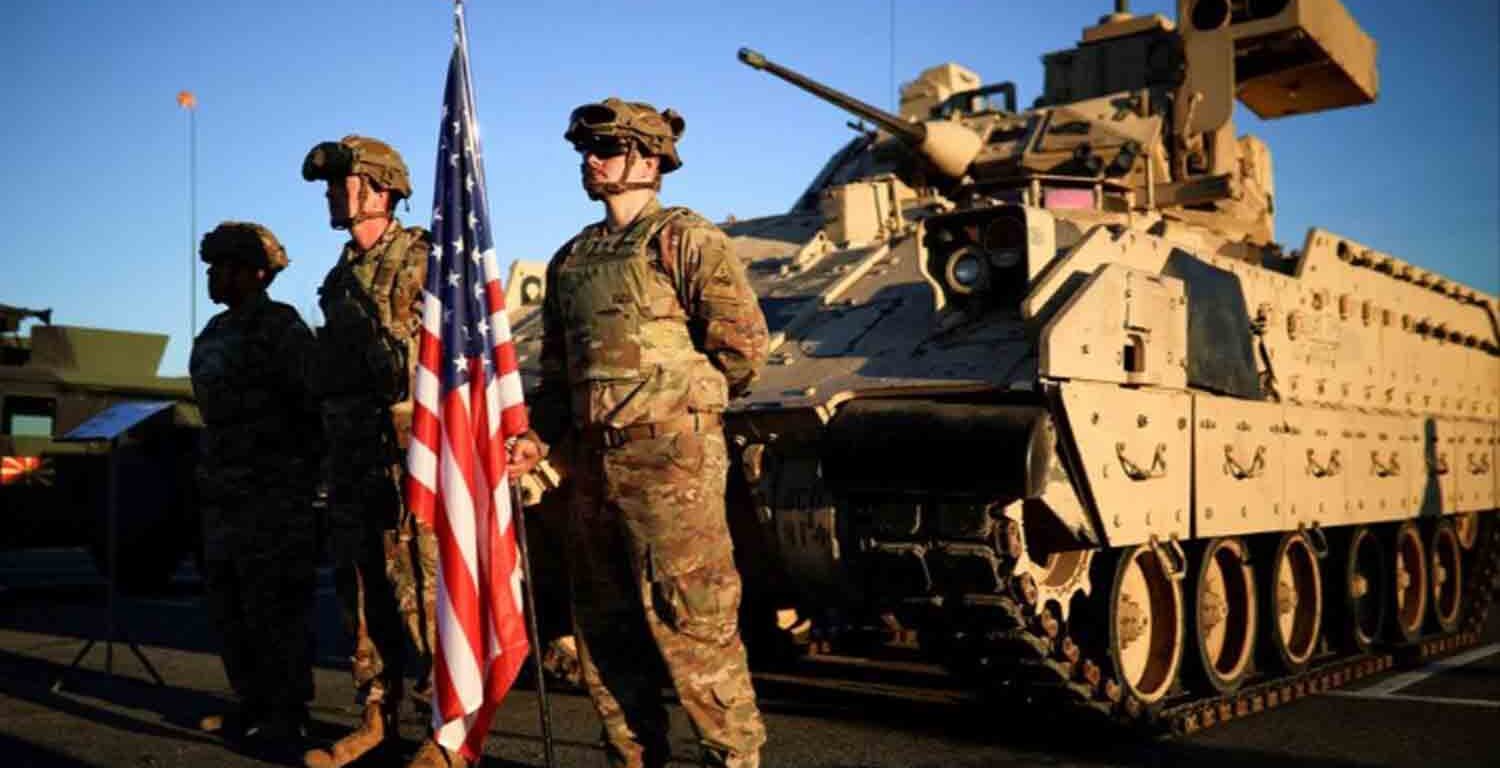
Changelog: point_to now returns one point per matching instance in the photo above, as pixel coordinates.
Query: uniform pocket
(697, 596)
(686, 451)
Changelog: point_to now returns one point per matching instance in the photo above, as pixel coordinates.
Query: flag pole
(543, 706)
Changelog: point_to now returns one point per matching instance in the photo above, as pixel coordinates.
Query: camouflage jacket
(644, 325)
(372, 317)
(262, 431)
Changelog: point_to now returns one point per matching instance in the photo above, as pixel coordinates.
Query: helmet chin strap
(600, 190)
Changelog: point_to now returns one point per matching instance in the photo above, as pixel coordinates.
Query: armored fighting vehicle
(1048, 404)
(52, 493)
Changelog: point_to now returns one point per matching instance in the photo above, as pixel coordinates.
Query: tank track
(989, 622)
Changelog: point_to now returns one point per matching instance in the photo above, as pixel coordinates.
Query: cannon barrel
(911, 133)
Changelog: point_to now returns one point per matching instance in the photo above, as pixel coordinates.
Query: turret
(1137, 115)
(949, 146)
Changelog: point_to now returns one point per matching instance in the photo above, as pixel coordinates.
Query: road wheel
(1146, 623)
(1292, 591)
(1365, 589)
(1409, 581)
(1447, 576)
(1223, 613)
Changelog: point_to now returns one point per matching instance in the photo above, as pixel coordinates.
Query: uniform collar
(351, 248)
(251, 305)
(651, 208)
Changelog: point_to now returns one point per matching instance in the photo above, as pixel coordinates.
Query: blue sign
(114, 421)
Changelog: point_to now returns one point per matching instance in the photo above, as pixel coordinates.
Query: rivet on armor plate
(1094, 419)
(1208, 513)
(1084, 349)
(1141, 420)
(1182, 423)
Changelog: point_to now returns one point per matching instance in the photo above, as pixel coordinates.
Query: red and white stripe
(456, 483)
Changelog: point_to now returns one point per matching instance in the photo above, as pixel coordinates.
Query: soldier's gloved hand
(524, 456)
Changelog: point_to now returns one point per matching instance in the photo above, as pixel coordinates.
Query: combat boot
(378, 724)
(433, 755)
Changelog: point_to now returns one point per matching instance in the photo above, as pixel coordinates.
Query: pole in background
(895, 93)
(189, 102)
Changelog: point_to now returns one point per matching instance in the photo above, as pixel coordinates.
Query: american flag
(468, 405)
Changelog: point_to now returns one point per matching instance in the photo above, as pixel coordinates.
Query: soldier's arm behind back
(725, 315)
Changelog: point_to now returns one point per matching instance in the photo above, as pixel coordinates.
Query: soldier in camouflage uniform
(649, 326)
(384, 560)
(258, 469)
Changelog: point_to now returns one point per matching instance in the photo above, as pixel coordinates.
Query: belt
(613, 438)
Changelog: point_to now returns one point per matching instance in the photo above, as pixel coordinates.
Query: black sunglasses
(602, 147)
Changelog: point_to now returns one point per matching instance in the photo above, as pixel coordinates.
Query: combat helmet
(616, 125)
(362, 156)
(247, 243)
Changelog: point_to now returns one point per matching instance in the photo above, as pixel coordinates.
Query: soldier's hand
(524, 456)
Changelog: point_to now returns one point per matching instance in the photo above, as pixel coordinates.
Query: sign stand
(109, 427)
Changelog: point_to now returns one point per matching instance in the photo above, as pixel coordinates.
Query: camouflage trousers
(385, 562)
(654, 584)
(260, 594)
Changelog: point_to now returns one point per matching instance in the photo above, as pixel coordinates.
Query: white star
(453, 277)
(483, 326)
(473, 220)
(447, 315)
(476, 256)
(437, 214)
(458, 246)
(478, 290)
(465, 330)
(469, 181)
(454, 124)
(459, 364)
(453, 159)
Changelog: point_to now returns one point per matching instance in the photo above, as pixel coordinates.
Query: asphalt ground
(1444, 714)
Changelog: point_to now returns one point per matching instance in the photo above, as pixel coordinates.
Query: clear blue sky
(94, 151)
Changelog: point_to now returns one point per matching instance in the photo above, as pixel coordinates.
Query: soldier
(258, 469)
(649, 325)
(384, 560)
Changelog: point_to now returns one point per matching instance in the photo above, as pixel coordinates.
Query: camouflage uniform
(646, 332)
(256, 477)
(385, 563)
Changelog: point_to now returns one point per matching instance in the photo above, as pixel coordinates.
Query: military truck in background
(1049, 406)
(52, 494)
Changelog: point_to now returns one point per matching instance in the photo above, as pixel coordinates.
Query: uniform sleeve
(551, 403)
(724, 313)
(406, 293)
